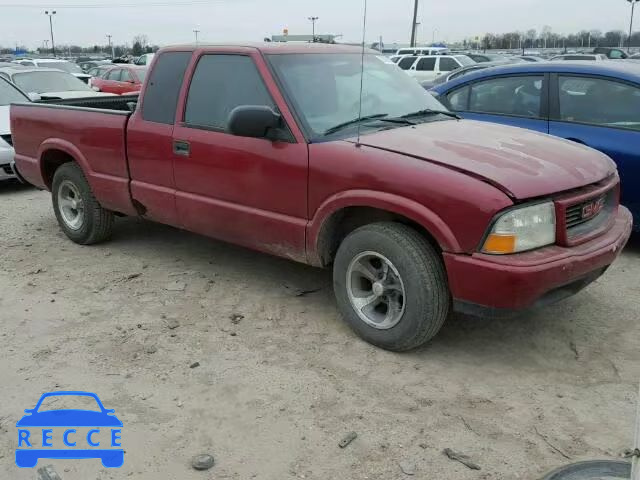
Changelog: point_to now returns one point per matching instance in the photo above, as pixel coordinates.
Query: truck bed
(91, 131)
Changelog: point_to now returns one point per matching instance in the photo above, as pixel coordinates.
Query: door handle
(180, 147)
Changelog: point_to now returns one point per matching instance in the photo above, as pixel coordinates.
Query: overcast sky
(166, 22)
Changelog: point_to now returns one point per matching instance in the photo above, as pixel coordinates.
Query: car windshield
(464, 60)
(9, 94)
(69, 402)
(66, 66)
(41, 82)
(325, 89)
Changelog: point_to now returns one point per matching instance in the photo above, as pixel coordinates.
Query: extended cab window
(520, 96)
(599, 102)
(221, 83)
(162, 91)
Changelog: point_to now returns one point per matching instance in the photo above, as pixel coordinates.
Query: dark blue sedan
(596, 104)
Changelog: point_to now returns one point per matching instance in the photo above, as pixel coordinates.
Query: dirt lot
(278, 388)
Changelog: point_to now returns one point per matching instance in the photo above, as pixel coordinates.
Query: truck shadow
(544, 338)
(9, 187)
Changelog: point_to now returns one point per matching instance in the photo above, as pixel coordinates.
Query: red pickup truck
(276, 148)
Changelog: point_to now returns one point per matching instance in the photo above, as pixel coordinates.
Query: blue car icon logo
(36, 437)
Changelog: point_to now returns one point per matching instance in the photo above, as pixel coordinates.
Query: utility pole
(46, 45)
(196, 31)
(111, 46)
(53, 45)
(633, 6)
(413, 24)
(313, 21)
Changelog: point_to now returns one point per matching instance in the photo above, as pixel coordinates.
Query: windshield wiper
(383, 117)
(430, 111)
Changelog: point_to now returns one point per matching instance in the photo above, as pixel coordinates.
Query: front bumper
(6, 162)
(498, 285)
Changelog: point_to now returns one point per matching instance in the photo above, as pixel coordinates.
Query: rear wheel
(391, 286)
(79, 214)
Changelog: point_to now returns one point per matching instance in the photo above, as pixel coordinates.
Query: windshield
(464, 60)
(9, 94)
(325, 88)
(66, 66)
(41, 82)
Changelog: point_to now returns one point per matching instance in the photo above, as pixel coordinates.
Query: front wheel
(79, 214)
(391, 286)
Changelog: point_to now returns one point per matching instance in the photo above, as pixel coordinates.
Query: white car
(48, 83)
(429, 67)
(597, 57)
(8, 94)
(145, 59)
(72, 68)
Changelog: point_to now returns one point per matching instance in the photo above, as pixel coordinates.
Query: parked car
(417, 211)
(99, 71)
(48, 83)
(87, 66)
(490, 57)
(432, 66)
(611, 53)
(144, 59)
(592, 104)
(428, 84)
(58, 64)
(530, 58)
(120, 79)
(635, 56)
(579, 56)
(8, 94)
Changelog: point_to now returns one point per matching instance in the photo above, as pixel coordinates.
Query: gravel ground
(281, 379)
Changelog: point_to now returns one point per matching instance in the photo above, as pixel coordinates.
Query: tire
(419, 300)
(90, 223)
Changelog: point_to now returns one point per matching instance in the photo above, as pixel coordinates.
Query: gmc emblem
(593, 208)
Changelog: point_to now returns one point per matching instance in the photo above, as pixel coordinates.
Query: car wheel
(390, 286)
(79, 214)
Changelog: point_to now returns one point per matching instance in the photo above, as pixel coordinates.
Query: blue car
(27, 456)
(596, 104)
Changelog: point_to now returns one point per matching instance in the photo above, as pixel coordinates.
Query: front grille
(587, 216)
(6, 169)
(7, 138)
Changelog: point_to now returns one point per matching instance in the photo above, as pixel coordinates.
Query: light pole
(111, 46)
(196, 32)
(633, 6)
(313, 21)
(414, 24)
(46, 45)
(433, 38)
(51, 14)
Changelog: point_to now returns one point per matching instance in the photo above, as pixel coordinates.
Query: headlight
(522, 229)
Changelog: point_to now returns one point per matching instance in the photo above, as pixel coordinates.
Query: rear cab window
(163, 88)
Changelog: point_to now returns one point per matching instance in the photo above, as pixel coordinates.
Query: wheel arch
(55, 152)
(343, 213)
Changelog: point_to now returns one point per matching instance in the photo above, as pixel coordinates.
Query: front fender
(383, 201)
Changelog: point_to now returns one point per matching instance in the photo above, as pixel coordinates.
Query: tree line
(546, 38)
(139, 46)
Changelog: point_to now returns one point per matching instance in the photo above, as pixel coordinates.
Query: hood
(4, 120)
(75, 94)
(522, 163)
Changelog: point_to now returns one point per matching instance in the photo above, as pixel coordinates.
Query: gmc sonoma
(276, 148)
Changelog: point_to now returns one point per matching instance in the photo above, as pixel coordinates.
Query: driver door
(249, 191)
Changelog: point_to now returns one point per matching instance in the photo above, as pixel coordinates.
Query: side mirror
(34, 97)
(253, 121)
(94, 88)
(28, 410)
